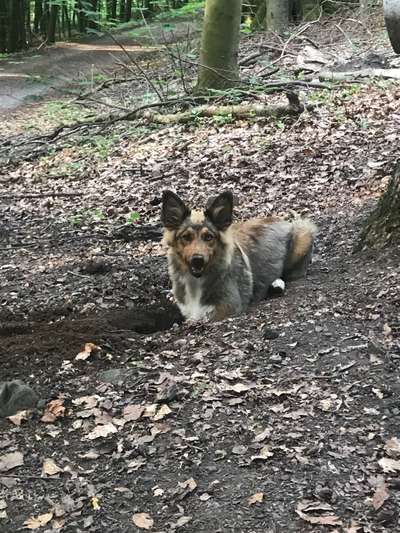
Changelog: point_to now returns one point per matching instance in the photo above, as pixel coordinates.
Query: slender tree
(277, 14)
(219, 45)
(4, 25)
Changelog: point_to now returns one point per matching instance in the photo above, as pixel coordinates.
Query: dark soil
(295, 399)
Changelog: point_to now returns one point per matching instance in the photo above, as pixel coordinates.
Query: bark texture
(383, 225)
(277, 14)
(219, 45)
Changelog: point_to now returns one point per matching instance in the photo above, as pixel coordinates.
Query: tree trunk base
(382, 227)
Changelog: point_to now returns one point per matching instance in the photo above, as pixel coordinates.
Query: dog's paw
(277, 287)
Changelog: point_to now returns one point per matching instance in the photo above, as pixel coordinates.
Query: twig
(296, 35)
(345, 35)
(137, 65)
(32, 477)
(248, 59)
(39, 195)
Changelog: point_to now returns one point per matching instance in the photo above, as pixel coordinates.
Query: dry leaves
(87, 351)
(143, 520)
(133, 412)
(19, 417)
(37, 522)
(10, 461)
(102, 430)
(50, 468)
(54, 409)
(381, 494)
(255, 498)
(304, 508)
(392, 447)
(389, 465)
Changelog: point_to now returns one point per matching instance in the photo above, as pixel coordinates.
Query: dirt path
(48, 72)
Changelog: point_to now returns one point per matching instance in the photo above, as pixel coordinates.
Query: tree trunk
(391, 9)
(128, 10)
(38, 13)
(4, 25)
(277, 15)
(219, 45)
(383, 225)
(51, 30)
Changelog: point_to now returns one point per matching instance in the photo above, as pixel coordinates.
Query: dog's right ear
(173, 211)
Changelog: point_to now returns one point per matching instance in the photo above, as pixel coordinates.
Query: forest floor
(282, 420)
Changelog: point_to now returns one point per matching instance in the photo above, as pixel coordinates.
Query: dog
(219, 268)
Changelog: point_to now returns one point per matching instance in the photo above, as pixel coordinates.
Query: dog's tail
(300, 249)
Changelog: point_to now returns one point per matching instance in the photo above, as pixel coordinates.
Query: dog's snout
(197, 262)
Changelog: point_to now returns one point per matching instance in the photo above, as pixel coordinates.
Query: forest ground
(285, 419)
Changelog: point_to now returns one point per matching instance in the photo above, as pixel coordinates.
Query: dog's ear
(173, 211)
(220, 210)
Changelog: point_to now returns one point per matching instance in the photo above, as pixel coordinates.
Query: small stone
(16, 396)
(276, 358)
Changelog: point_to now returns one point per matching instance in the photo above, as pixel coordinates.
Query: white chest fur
(192, 308)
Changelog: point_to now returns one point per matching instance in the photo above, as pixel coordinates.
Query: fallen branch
(40, 195)
(388, 73)
(237, 111)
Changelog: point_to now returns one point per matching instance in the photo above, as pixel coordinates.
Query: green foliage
(192, 8)
(87, 216)
(132, 217)
(61, 112)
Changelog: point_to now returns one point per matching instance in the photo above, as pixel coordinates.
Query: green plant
(87, 216)
(132, 217)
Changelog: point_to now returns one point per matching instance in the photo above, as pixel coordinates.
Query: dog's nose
(197, 262)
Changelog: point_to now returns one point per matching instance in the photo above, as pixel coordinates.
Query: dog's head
(196, 236)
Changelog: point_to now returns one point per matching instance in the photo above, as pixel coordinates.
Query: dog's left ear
(173, 211)
(220, 210)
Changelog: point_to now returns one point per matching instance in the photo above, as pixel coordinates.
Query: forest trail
(49, 72)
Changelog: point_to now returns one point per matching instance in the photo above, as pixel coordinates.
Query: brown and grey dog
(218, 268)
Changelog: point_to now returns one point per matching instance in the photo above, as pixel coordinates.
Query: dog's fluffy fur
(217, 268)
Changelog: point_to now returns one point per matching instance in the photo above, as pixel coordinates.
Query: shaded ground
(295, 400)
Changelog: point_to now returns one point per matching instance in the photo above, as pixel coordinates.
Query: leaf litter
(311, 407)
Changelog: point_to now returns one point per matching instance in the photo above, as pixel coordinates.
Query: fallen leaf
(87, 351)
(162, 412)
(305, 507)
(133, 412)
(381, 494)
(263, 435)
(255, 498)
(10, 461)
(88, 402)
(182, 521)
(54, 409)
(392, 446)
(389, 465)
(102, 431)
(239, 449)
(95, 503)
(264, 454)
(19, 417)
(143, 520)
(50, 468)
(189, 484)
(39, 521)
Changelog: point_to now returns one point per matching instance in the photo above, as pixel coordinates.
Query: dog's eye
(186, 237)
(208, 237)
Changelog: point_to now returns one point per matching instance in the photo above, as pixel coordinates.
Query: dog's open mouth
(196, 272)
